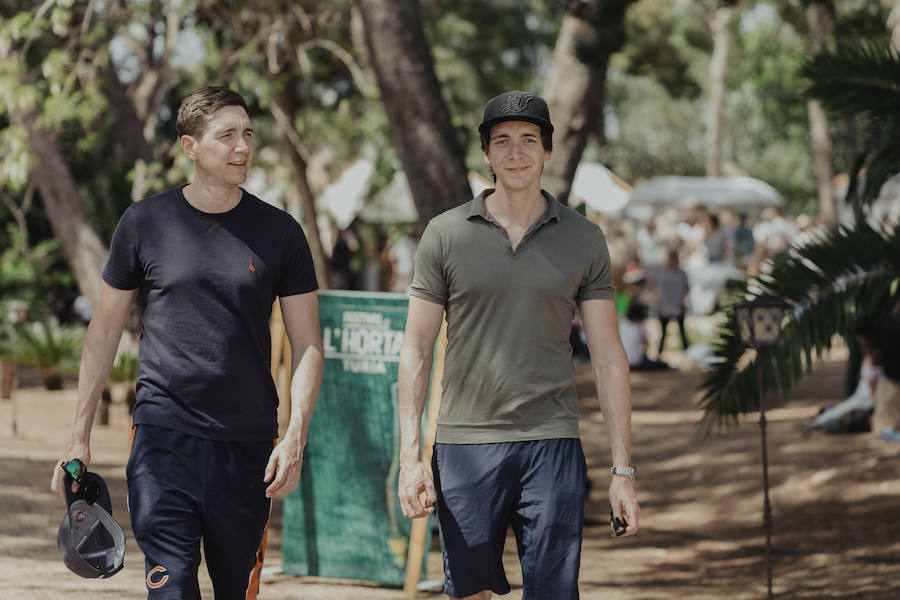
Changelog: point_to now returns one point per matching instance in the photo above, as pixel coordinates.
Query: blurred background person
(633, 331)
(672, 288)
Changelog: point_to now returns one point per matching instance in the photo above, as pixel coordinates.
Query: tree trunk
(893, 23)
(816, 17)
(131, 147)
(7, 378)
(79, 243)
(284, 110)
(718, 73)
(851, 152)
(421, 129)
(576, 87)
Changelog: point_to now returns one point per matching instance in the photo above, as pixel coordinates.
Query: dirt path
(835, 502)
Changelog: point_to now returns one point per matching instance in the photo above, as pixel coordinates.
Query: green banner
(344, 520)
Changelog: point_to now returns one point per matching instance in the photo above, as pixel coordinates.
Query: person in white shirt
(633, 331)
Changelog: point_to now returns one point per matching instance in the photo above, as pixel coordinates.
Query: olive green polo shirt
(508, 372)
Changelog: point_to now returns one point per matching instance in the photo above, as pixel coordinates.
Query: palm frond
(49, 344)
(854, 80)
(883, 160)
(832, 283)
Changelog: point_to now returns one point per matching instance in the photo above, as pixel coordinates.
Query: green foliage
(771, 55)
(649, 132)
(863, 81)
(125, 367)
(15, 160)
(656, 117)
(33, 275)
(482, 48)
(845, 277)
(787, 165)
(832, 283)
(657, 47)
(49, 346)
(860, 79)
(768, 123)
(53, 66)
(7, 350)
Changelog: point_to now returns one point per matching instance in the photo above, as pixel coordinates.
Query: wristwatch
(629, 471)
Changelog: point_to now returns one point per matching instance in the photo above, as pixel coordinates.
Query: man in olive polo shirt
(509, 269)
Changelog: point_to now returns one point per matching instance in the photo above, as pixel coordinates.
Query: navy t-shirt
(207, 283)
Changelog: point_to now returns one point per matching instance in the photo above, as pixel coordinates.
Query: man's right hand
(59, 474)
(414, 481)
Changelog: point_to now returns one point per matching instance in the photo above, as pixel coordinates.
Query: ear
(188, 144)
(547, 155)
(487, 161)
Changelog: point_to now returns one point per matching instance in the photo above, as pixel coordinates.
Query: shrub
(53, 349)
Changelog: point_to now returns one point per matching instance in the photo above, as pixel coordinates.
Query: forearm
(413, 381)
(98, 354)
(305, 382)
(614, 394)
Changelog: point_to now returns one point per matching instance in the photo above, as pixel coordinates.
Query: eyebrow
(231, 129)
(528, 134)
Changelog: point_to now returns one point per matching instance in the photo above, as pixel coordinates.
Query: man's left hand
(624, 503)
(283, 470)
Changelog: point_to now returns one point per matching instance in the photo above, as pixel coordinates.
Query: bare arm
(100, 345)
(301, 322)
(423, 323)
(610, 366)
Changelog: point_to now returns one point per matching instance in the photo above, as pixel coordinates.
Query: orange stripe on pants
(256, 572)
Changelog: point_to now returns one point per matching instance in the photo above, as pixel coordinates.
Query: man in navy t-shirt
(206, 262)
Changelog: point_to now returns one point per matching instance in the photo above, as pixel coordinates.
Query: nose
(517, 148)
(243, 145)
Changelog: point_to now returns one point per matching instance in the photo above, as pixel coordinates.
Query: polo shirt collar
(477, 208)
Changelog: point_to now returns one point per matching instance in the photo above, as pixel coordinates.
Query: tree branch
(359, 77)
(38, 16)
(19, 213)
(303, 18)
(290, 131)
(699, 11)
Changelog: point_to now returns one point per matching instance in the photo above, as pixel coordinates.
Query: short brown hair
(197, 107)
(546, 139)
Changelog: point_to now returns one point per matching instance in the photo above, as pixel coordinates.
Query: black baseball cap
(516, 106)
(91, 541)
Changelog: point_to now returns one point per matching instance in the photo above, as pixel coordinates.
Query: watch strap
(630, 471)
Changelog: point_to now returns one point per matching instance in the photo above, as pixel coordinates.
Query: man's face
(223, 151)
(516, 154)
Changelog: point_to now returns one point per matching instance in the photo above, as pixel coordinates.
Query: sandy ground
(835, 502)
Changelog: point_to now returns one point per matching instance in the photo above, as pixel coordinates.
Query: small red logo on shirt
(251, 268)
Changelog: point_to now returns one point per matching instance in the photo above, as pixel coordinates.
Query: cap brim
(542, 123)
(94, 546)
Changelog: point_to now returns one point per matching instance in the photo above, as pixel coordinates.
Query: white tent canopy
(600, 189)
(717, 192)
(344, 198)
(392, 204)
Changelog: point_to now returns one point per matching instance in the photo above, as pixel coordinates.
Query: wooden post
(281, 356)
(419, 532)
(7, 378)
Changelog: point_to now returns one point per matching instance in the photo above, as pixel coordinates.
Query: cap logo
(515, 103)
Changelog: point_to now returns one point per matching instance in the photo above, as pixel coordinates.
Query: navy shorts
(182, 489)
(538, 488)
